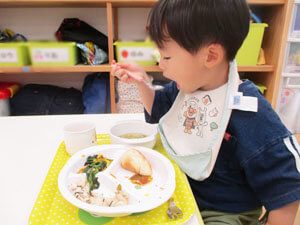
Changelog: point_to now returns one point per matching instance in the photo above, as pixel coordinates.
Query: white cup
(79, 135)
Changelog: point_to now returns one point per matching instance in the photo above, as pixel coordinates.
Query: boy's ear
(214, 55)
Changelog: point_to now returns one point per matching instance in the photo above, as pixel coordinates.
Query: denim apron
(193, 129)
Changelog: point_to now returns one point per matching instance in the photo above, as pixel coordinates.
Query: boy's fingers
(136, 77)
(113, 70)
(124, 78)
(123, 66)
(118, 73)
(121, 74)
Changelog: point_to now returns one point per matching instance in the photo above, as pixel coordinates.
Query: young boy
(221, 131)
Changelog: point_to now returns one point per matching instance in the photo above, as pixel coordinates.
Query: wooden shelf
(267, 2)
(56, 69)
(277, 16)
(262, 68)
(66, 69)
(133, 3)
(102, 3)
(51, 3)
(297, 137)
(106, 68)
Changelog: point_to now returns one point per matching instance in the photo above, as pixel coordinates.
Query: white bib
(192, 131)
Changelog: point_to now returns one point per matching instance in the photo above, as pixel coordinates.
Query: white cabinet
(288, 106)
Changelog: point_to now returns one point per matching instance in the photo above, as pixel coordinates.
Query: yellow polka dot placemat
(51, 208)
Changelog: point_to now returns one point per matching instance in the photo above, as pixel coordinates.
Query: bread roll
(136, 162)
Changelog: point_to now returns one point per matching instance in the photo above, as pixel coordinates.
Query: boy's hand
(129, 72)
(132, 72)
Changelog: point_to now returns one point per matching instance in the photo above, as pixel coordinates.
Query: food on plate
(103, 197)
(133, 135)
(92, 166)
(136, 162)
(140, 180)
(80, 189)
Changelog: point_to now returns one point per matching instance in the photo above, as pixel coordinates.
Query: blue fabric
(96, 93)
(254, 167)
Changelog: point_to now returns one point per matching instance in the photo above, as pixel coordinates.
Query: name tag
(8, 55)
(244, 103)
(50, 54)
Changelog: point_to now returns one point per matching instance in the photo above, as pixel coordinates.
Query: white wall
(42, 23)
(132, 23)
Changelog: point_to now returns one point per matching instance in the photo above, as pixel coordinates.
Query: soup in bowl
(134, 132)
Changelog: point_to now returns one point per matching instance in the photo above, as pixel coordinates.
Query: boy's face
(189, 71)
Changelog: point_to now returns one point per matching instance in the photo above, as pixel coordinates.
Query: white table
(28, 145)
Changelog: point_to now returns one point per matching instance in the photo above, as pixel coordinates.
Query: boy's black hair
(195, 23)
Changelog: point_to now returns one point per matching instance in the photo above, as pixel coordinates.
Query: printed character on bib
(190, 114)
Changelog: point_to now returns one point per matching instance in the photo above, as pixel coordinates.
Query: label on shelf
(50, 54)
(136, 53)
(8, 55)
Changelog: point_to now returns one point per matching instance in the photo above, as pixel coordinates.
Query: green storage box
(14, 54)
(140, 52)
(249, 51)
(53, 53)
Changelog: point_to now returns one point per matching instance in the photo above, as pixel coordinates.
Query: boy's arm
(134, 73)
(284, 215)
(147, 96)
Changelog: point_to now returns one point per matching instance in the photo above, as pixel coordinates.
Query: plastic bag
(8, 35)
(73, 29)
(91, 54)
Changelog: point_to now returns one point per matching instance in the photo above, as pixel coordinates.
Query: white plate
(150, 196)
